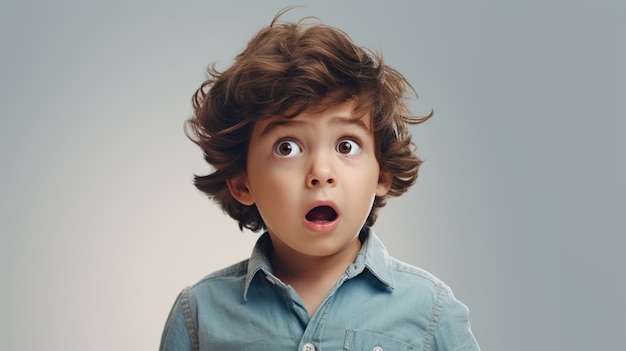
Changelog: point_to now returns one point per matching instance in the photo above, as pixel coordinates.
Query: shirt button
(308, 347)
(377, 348)
(270, 279)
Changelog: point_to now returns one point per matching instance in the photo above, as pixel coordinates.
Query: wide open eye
(348, 147)
(286, 148)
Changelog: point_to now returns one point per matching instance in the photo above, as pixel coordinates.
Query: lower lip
(321, 227)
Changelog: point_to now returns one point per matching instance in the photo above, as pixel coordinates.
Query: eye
(286, 148)
(348, 147)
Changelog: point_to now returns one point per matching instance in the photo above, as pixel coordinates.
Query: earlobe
(239, 189)
(384, 183)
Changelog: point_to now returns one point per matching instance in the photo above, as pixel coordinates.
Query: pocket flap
(357, 340)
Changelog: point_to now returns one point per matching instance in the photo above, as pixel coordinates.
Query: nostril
(317, 182)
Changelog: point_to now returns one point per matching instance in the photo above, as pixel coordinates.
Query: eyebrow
(350, 121)
(283, 122)
(288, 122)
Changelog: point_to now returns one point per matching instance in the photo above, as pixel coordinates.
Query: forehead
(330, 115)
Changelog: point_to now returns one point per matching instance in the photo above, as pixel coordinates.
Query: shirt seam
(436, 315)
(191, 326)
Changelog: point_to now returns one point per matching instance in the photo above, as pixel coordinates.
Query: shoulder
(409, 280)
(421, 282)
(398, 274)
(414, 275)
(230, 285)
(216, 289)
(447, 324)
(234, 270)
(234, 273)
(389, 270)
(216, 286)
(403, 278)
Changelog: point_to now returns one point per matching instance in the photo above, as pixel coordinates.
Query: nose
(321, 172)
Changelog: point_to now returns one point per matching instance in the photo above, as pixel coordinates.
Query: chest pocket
(357, 340)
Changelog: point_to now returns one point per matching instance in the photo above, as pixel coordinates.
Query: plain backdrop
(519, 206)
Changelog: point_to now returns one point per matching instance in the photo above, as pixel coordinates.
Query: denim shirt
(379, 304)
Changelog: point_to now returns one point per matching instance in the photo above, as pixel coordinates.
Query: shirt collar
(372, 256)
(259, 261)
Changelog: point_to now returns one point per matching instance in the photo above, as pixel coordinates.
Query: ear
(384, 183)
(239, 189)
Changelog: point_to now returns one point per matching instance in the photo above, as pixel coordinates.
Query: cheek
(271, 184)
(369, 173)
(275, 198)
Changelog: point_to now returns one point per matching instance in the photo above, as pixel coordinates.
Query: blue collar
(372, 256)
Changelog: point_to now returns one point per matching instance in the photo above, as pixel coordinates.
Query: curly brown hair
(285, 69)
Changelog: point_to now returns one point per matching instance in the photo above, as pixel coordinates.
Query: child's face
(313, 178)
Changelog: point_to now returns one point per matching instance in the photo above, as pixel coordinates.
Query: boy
(308, 136)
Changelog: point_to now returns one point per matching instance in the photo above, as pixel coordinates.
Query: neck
(293, 267)
(312, 277)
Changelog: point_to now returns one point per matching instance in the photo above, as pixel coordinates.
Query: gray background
(519, 206)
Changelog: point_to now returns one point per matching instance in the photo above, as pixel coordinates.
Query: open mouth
(321, 214)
